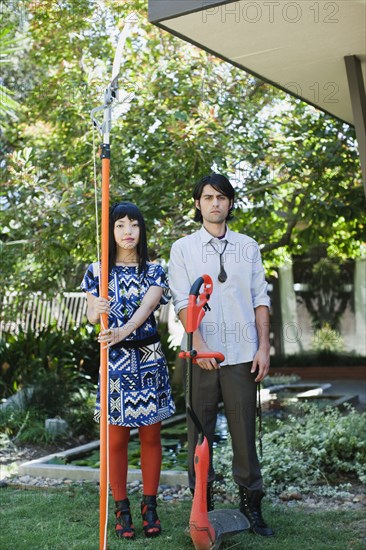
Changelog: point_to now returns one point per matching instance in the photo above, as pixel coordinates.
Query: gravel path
(351, 497)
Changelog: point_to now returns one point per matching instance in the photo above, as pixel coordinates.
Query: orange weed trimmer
(207, 529)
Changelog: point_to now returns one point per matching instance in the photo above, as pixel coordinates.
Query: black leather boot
(250, 506)
(210, 497)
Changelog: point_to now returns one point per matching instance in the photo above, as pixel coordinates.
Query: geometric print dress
(139, 386)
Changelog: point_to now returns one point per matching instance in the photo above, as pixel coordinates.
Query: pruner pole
(110, 98)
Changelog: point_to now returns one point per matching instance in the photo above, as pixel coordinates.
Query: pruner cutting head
(113, 95)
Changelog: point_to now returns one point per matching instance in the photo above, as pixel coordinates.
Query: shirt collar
(206, 237)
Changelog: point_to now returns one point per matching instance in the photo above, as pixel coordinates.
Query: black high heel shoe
(150, 521)
(124, 525)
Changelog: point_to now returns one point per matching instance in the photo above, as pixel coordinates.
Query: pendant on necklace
(222, 275)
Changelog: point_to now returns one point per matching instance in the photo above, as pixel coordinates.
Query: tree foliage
(295, 169)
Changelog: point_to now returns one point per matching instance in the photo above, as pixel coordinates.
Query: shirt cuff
(262, 302)
(181, 304)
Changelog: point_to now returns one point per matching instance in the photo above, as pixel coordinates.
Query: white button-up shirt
(230, 325)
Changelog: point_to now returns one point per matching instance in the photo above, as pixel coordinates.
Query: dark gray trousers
(235, 386)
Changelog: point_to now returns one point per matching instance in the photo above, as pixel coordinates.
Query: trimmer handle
(197, 303)
(204, 280)
(214, 355)
(195, 355)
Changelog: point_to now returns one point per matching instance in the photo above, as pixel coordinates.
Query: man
(237, 326)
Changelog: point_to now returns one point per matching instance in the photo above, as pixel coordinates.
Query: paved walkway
(347, 388)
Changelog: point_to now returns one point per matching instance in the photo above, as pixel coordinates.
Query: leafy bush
(327, 339)
(61, 368)
(80, 413)
(314, 447)
(24, 426)
(27, 357)
(27, 424)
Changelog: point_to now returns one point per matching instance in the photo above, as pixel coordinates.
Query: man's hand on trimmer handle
(209, 363)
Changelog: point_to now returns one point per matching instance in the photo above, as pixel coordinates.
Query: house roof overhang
(314, 50)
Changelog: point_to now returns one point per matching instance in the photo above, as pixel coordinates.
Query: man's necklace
(222, 275)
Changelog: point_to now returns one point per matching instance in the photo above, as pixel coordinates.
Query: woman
(139, 388)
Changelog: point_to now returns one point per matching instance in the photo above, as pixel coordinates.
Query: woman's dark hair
(118, 211)
(218, 182)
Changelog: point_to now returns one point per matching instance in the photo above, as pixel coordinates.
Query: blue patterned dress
(139, 387)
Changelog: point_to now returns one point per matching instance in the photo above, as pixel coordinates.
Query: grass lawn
(67, 518)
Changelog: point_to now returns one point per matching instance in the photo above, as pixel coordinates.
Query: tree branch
(291, 223)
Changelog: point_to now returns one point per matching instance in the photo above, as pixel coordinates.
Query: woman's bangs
(125, 209)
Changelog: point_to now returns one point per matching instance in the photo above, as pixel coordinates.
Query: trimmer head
(226, 523)
(221, 524)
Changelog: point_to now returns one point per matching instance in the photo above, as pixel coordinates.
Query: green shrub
(24, 426)
(26, 357)
(80, 413)
(61, 368)
(27, 425)
(316, 446)
(327, 339)
(311, 448)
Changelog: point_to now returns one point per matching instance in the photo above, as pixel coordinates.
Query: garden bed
(82, 462)
(352, 372)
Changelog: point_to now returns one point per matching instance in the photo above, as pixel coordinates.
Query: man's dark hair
(118, 211)
(218, 182)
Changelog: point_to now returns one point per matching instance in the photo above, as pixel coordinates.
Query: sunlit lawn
(68, 518)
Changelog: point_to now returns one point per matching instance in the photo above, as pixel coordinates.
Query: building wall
(294, 315)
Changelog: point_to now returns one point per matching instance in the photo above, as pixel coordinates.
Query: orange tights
(151, 455)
